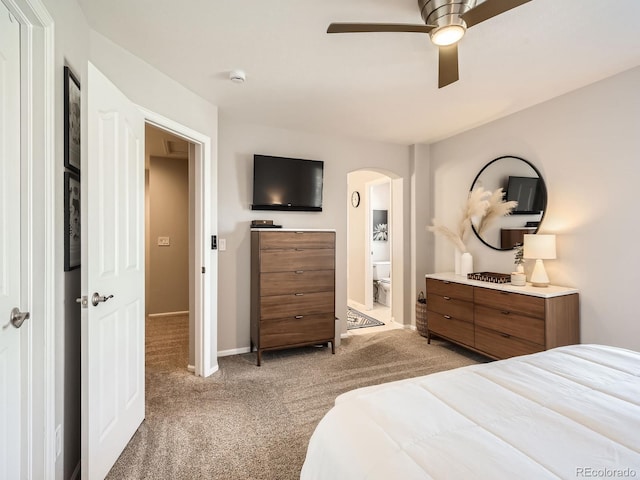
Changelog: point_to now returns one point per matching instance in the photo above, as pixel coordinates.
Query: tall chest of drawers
(292, 289)
(501, 321)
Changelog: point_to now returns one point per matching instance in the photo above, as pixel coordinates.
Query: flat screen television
(525, 191)
(288, 184)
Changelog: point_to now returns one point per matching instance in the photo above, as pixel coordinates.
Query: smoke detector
(237, 76)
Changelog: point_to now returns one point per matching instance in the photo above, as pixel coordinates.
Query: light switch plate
(163, 241)
(222, 244)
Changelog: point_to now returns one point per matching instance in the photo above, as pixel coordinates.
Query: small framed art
(71, 221)
(71, 121)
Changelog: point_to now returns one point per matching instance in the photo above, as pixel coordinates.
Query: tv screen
(281, 183)
(524, 190)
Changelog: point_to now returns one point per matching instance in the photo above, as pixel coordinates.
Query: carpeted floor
(248, 422)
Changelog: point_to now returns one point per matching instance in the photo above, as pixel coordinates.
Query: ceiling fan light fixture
(447, 35)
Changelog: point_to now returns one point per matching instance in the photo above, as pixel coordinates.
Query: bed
(570, 412)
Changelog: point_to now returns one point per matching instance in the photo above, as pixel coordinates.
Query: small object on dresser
(491, 277)
(518, 279)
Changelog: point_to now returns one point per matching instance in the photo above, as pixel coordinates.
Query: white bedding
(570, 412)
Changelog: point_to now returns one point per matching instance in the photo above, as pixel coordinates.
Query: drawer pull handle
(299, 233)
(447, 298)
(298, 317)
(446, 282)
(505, 335)
(299, 272)
(505, 312)
(448, 317)
(299, 249)
(299, 294)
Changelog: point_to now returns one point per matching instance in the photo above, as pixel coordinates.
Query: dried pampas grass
(448, 234)
(496, 208)
(483, 207)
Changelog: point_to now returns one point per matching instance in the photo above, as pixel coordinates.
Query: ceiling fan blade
(447, 65)
(378, 27)
(488, 9)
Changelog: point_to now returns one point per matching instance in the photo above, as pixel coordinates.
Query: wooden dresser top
(528, 289)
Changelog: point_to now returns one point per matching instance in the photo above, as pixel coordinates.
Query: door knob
(17, 317)
(96, 299)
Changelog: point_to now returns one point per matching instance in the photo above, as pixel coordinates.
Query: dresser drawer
(452, 307)
(293, 260)
(301, 281)
(502, 345)
(513, 302)
(511, 323)
(293, 331)
(451, 328)
(280, 306)
(450, 289)
(287, 240)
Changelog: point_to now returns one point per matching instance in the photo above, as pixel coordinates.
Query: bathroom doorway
(374, 254)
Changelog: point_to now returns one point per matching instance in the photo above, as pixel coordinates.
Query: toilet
(382, 280)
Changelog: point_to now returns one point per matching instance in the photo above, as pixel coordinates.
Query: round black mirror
(522, 182)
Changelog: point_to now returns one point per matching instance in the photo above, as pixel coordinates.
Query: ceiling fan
(446, 22)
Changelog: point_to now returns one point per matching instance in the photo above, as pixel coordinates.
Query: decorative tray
(491, 277)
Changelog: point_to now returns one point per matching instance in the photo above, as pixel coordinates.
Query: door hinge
(214, 242)
(203, 271)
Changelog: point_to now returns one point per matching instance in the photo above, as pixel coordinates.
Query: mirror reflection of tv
(525, 191)
(288, 184)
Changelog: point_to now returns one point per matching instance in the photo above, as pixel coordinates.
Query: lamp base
(539, 275)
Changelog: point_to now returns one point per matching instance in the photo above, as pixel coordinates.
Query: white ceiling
(380, 86)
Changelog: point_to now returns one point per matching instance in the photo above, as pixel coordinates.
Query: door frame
(38, 87)
(206, 318)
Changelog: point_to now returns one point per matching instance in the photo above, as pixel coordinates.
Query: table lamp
(539, 247)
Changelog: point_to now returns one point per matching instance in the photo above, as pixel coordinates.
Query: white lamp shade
(539, 246)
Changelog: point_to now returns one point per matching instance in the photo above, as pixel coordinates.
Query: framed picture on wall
(71, 121)
(71, 221)
(380, 226)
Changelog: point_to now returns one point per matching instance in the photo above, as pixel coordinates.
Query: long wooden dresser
(292, 289)
(501, 320)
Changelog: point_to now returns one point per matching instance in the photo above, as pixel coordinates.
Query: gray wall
(586, 144)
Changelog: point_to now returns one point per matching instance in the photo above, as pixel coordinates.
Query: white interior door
(113, 270)
(10, 243)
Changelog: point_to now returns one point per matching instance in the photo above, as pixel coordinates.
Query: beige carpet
(248, 422)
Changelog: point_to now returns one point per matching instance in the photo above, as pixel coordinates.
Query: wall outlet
(163, 241)
(58, 440)
(222, 244)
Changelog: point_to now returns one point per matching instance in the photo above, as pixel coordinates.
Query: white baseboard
(191, 368)
(76, 473)
(233, 351)
(168, 314)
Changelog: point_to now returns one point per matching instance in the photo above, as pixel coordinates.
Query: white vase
(457, 255)
(466, 264)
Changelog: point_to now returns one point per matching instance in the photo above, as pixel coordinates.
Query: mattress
(570, 412)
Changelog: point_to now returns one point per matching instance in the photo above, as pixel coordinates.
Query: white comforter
(571, 412)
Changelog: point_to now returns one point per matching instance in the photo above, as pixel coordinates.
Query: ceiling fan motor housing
(441, 13)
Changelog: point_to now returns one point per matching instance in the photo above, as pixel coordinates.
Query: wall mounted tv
(525, 191)
(289, 184)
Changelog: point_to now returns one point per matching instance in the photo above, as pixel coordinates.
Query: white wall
(586, 145)
(238, 143)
